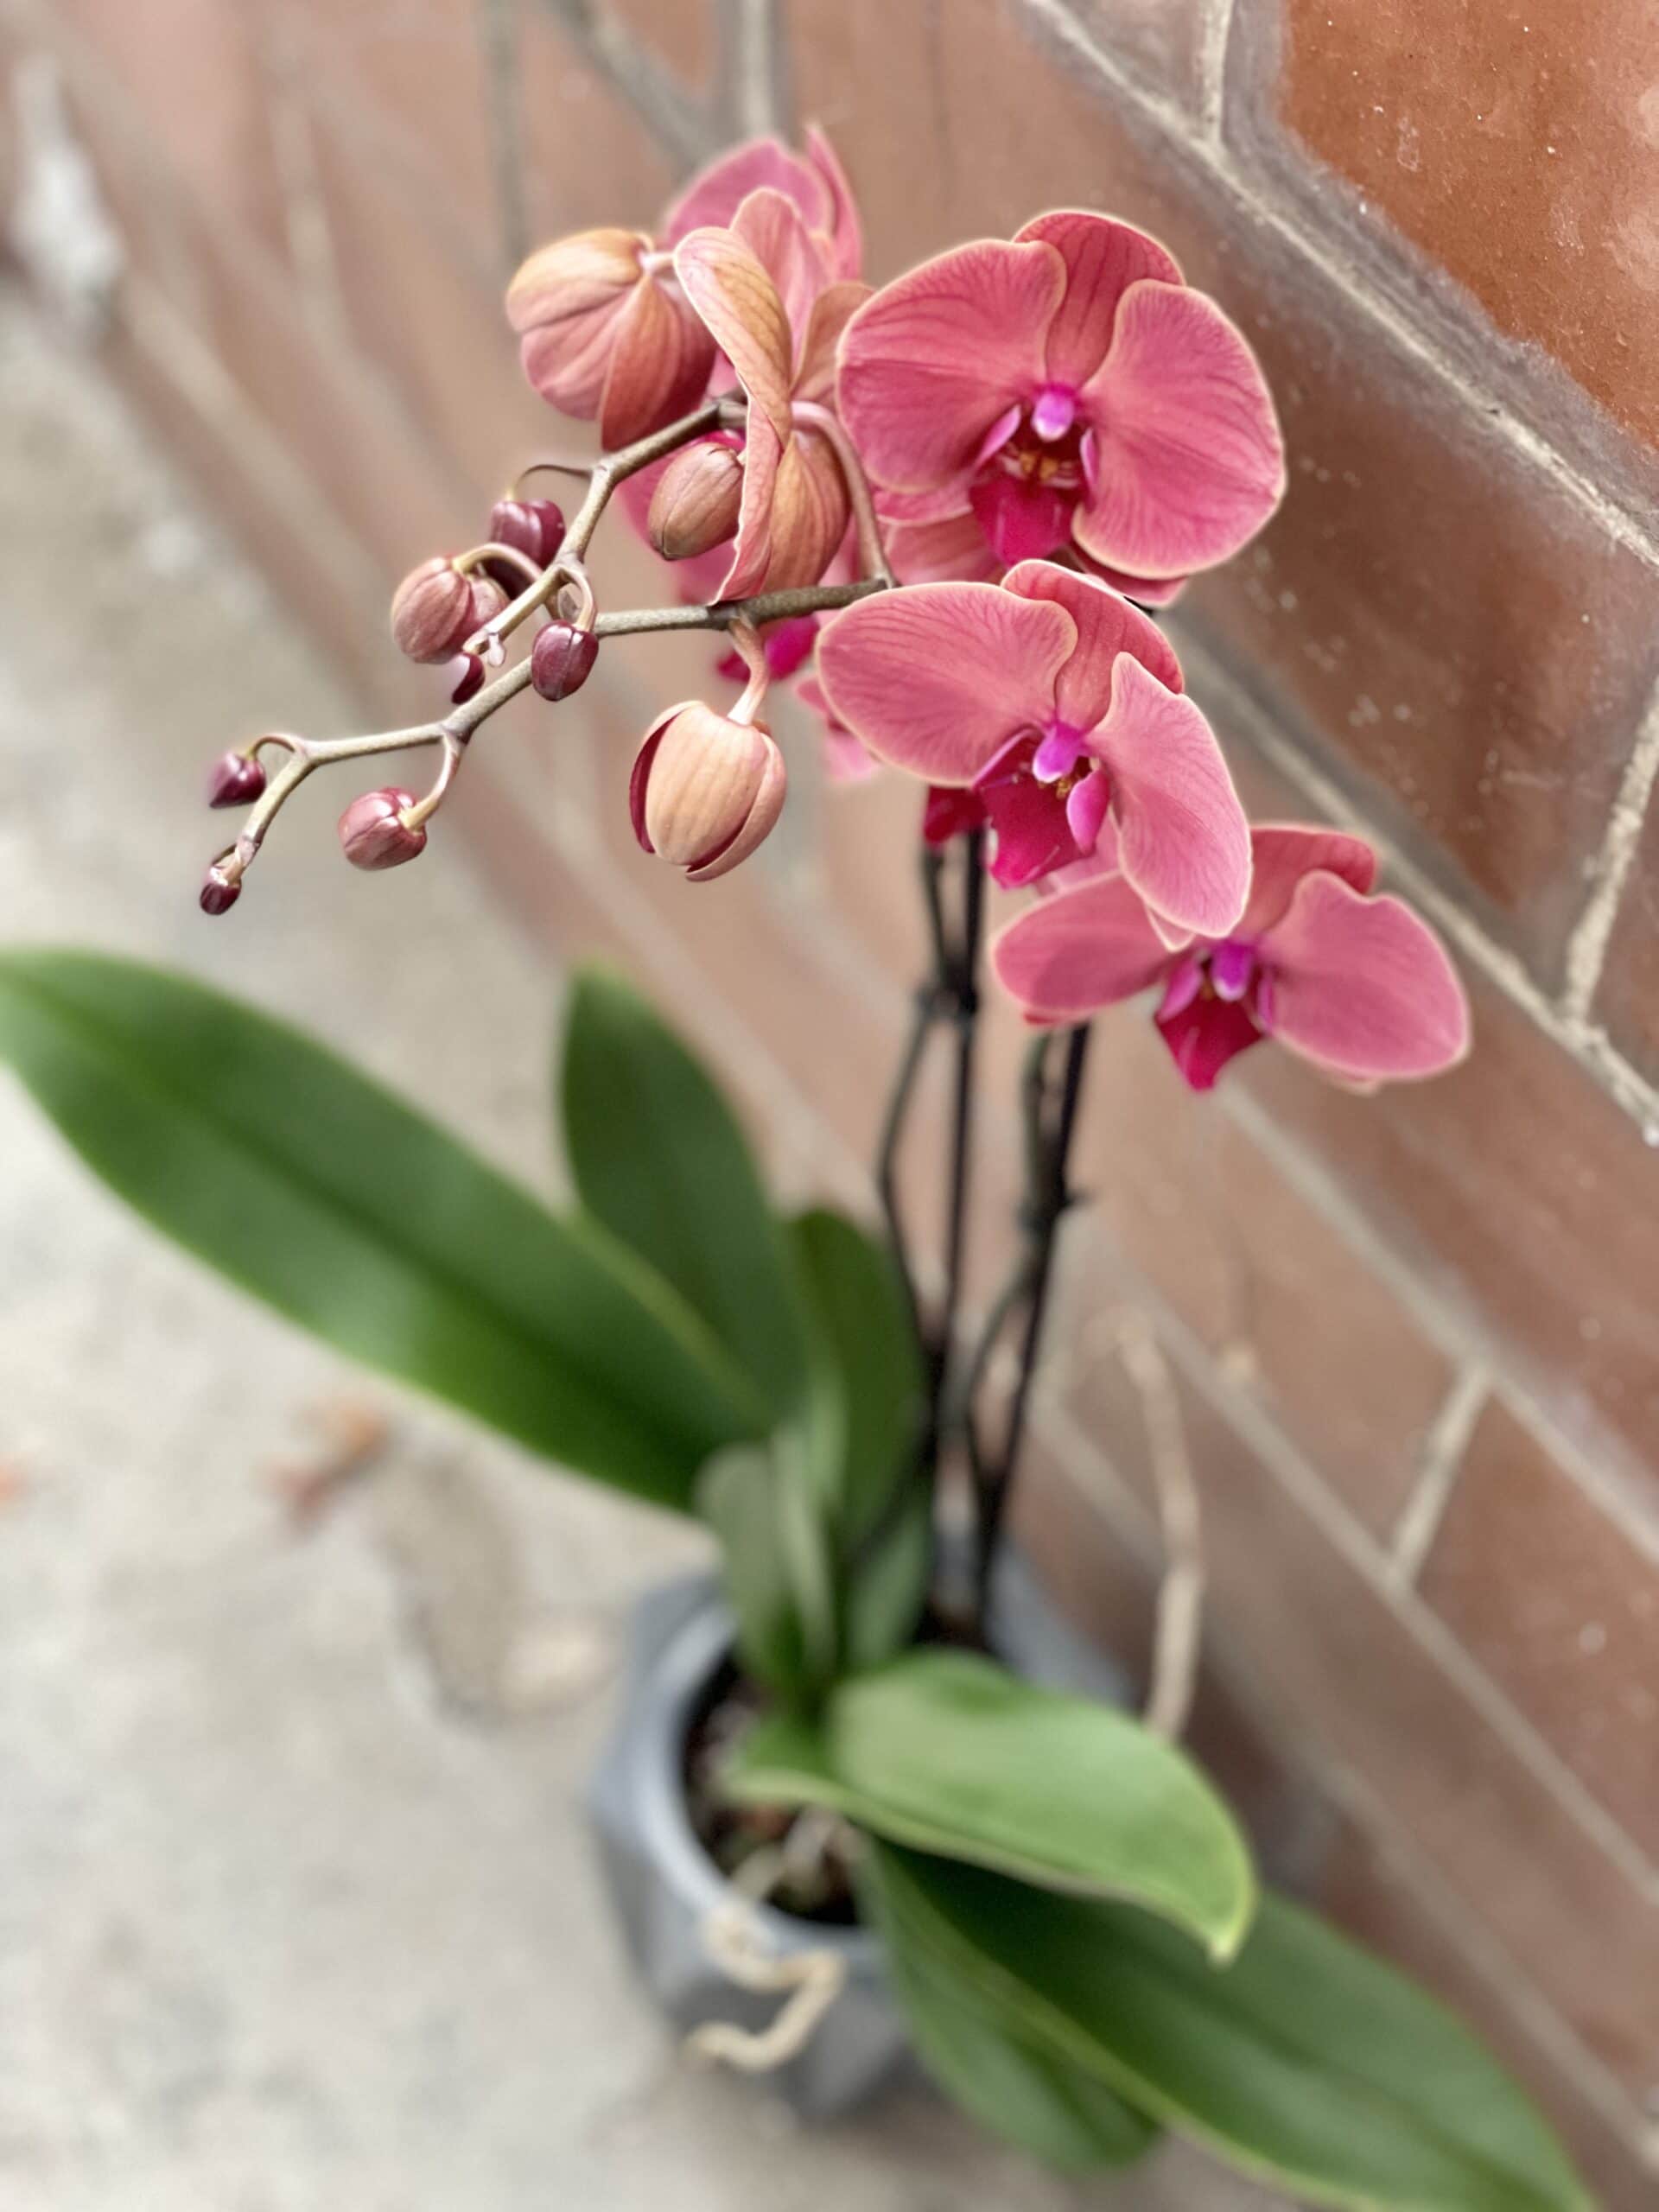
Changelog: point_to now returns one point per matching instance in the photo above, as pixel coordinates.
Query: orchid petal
(952, 548)
(771, 227)
(948, 812)
(715, 194)
(1183, 840)
(1102, 258)
(1106, 626)
(932, 361)
(751, 553)
(1087, 805)
(1282, 853)
(1362, 986)
(846, 236)
(937, 679)
(659, 365)
(814, 369)
(1191, 463)
(1022, 520)
(809, 513)
(845, 759)
(738, 301)
(1067, 957)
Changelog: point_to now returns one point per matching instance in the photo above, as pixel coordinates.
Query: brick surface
(1518, 1185)
(1465, 651)
(1628, 998)
(1512, 144)
(1340, 1665)
(1561, 1608)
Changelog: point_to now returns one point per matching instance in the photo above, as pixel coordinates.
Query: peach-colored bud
(706, 790)
(432, 610)
(695, 506)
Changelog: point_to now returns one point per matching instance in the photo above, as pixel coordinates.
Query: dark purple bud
(562, 659)
(220, 890)
(235, 779)
(375, 835)
(464, 675)
(532, 527)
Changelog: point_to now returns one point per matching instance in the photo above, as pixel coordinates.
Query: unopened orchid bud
(565, 303)
(374, 834)
(706, 790)
(562, 659)
(432, 610)
(465, 677)
(235, 779)
(532, 527)
(221, 889)
(695, 506)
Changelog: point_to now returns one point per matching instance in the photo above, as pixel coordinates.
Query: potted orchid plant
(944, 511)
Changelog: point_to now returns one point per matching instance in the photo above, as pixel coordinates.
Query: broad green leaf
(865, 1389)
(980, 2055)
(775, 1567)
(952, 1753)
(657, 1155)
(322, 1193)
(1305, 2063)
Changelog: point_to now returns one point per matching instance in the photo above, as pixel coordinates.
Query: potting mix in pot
(945, 514)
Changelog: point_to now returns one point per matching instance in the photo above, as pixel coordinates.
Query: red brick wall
(1414, 1335)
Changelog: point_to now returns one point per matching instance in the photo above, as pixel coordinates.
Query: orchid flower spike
(1061, 707)
(1358, 985)
(1067, 392)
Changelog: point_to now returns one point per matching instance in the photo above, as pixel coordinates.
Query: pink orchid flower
(767, 292)
(1069, 390)
(1358, 985)
(1061, 707)
(605, 331)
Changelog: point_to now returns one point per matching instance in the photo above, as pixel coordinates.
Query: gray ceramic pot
(664, 1885)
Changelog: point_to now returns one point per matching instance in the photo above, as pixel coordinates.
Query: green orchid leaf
(775, 1566)
(266, 1155)
(952, 1753)
(1305, 2063)
(658, 1156)
(979, 2054)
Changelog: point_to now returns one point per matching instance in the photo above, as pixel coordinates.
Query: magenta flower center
(1215, 1004)
(1036, 464)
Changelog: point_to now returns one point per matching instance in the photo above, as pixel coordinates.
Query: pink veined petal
(845, 759)
(944, 503)
(1183, 841)
(1102, 258)
(815, 366)
(715, 194)
(931, 362)
(1030, 820)
(952, 548)
(1191, 463)
(659, 365)
(1146, 591)
(794, 259)
(738, 301)
(845, 233)
(566, 361)
(751, 553)
(938, 678)
(1362, 987)
(1067, 957)
(1282, 853)
(1107, 625)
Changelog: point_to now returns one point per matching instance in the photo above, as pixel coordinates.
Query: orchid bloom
(1068, 391)
(767, 291)
(1358, 985)
(1061, 707)
(605, 331)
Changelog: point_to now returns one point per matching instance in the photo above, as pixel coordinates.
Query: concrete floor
(296, 1907)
